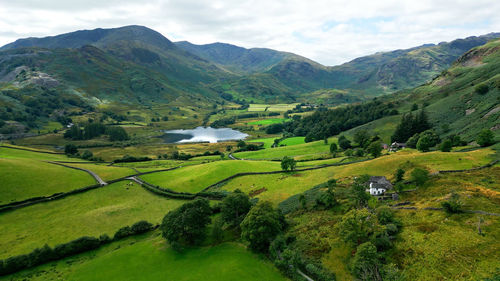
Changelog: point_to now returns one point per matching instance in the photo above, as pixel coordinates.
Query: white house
(378, 185)
(374, 190)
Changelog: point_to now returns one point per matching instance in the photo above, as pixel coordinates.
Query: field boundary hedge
(32, 150)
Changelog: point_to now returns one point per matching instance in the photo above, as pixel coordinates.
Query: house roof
(380, 182)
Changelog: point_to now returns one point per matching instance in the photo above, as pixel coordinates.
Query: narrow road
(230, 155)
(94, 175)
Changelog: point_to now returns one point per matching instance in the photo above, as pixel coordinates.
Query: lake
(203, 134)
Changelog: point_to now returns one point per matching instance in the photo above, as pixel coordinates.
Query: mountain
(273, 75)
(237, 59)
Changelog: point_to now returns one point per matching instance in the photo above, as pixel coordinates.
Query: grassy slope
(195, 178)
(23, 154)
(106, 172)
(93, 213)
(23, 178)
(282, 186)
(148, 257)
(317, 148)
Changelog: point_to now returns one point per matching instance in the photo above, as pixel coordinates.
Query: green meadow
(106, 172)
(268, 121)
(92, 213)
(278, 187)
(312, 149)
(23, 178)
(148, 257)
(194, 178)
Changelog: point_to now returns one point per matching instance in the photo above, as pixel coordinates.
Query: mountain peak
(99, 37)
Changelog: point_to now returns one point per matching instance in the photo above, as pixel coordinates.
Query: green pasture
(6, 152)
(21, 179)
(271, 107)
(278, 187)
(383, 127)
(148, 257)
(92, 213)
(106, 172)
(316, 149)
(268, 121)
(194, 178)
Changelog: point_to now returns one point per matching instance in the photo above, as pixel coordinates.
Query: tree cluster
(329, 122)
(411, 125)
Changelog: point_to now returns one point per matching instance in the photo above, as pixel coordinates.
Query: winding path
(96, 177)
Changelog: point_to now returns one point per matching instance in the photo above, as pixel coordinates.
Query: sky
(330, 32)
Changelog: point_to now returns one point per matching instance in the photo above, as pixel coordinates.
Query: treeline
(92, 130)
(324, 122)
(77, 246)
(411, 125)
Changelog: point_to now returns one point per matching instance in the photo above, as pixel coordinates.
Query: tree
(187, 223)
(446, 146)
(375, 149)
(358, 194)
(365, 264)
(117, 134)
(485, 138)
(359, 152)
(261, 225)
(333, 149)
(362, 138)
(70, 149)
(357, 226)
(288, 163)
(414, 107)
(87, 154)
(344, 143)
(424, 143)
(234, 207)
(399, 175)
(241, 144)
(420, 176)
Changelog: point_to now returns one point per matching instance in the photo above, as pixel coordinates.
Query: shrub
(141, 227)
(288, 164)
(446, 145)
(399, 176)
(365, 264)
(420, 176)
(453, 205)
(122, 232)
(481, 89)
(77, 246)
(70, 149)
(485, 138)
(375, 149)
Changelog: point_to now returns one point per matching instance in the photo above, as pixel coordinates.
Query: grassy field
(292, 141)
(281, 186)
(92, 213)
(268, 121)
(6, 152)
(195, 178)
(24, 178)
(316, 149)
(383, 127)
(152, 151)
(268, 142)
(106, 172)
(271, 107)
(148, 257)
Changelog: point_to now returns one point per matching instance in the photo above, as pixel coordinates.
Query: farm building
(378, 185)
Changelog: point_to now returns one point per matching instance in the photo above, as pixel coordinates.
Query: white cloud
(329, 31)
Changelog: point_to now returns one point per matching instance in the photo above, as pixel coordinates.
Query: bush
(481, 89)
(70, 149)
(141, 227)
(365, 264)
(419, 176)
(485, 138)
(446, 146)
(453, 205)
(375, 149)
(122, 232)
(77, 246)
(288, 164)
(87, 154)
